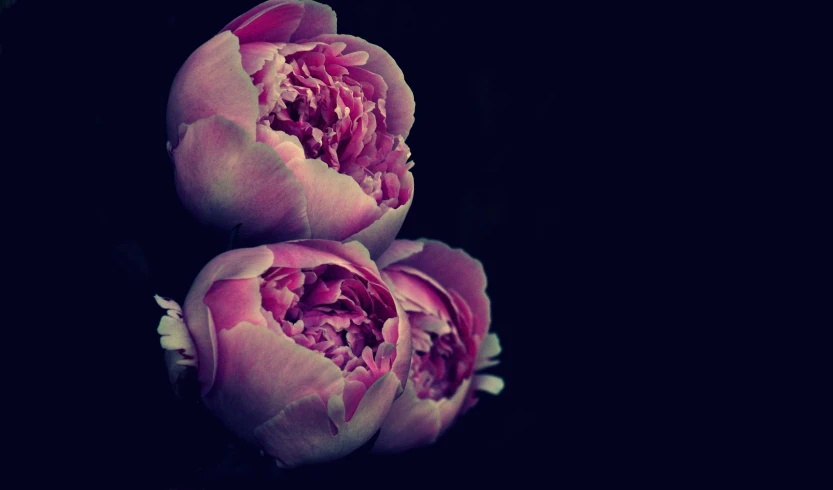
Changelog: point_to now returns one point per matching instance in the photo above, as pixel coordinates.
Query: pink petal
(310, 431)
(379, 235)
(412, 422)
(419, 289)
(261, 372)
(212, 81)
(242, 263)
(233, 301)
(224, 179)
(336, 205)
(275, 24)
(257, 9)
(450, 407)
(308, 254)
(457, 270)
(318, 19)
(404, 348)
(398, 250)
(254, 55)
(400, 98)
(287, 146)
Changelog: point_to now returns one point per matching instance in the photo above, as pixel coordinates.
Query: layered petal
(224, 178)
(399, 102)
(318, 19)
(275, 23)
(261, 372)
(457, 270)
(412, 422)
(379, 235)
(398, 250)
(307, 19)
(311, 430)
(443, 291)
(243, 263)
(212, 81)
(336, 205)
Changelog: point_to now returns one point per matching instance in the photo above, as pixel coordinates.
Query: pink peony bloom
(443, 291)
(299, 347)
(294, 131)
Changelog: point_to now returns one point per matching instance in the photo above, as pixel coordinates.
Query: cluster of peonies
(327, 330)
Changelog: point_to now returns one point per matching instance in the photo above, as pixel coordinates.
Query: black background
(648, 188)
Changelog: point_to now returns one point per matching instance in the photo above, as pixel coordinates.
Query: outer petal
(450, 407)
(312, 253)
(257, 9)
(275, 23)
(317, 18)
(336, 206)
(379, 235)
(309, 430)
(212, 81)
(261, 372)
(399, 103)
(457, 270)
(398, 250)
(224, 178)
(412, 422)
(242, 263)
(233, 301)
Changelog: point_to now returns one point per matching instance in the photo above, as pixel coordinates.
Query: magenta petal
(225, 179)
(261, 373)
(379, 235)
(412, 422)
(212, 81)
(237, 22)
(274, 24)
(310, 431)
(336, 205)
(399, 102)
(236, 264)
(318, 19)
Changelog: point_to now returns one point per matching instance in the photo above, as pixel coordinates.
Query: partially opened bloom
(281, 125)
(299, 347)
(443, 291)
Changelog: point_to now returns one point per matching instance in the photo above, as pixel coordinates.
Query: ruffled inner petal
(335, 312)
(322, 96)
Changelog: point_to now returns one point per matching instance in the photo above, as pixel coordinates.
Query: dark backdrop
(648, 188)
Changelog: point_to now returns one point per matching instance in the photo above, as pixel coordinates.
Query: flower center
(337, 111)
(443, 347)
(330, 310)
(440, 361)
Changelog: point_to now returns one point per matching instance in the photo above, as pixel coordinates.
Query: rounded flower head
(278, 121)
(443, 291)
(299, 347)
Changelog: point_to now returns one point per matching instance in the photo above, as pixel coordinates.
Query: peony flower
(299, 347)
(443, 291)
(294, 131)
